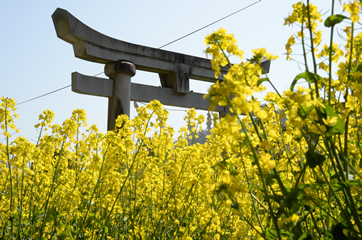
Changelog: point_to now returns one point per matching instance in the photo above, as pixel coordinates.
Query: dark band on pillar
(126, 67)
(120, 67)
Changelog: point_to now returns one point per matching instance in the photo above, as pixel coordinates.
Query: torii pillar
(121, 73)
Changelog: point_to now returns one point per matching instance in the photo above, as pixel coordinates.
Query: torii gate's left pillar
(121, 73)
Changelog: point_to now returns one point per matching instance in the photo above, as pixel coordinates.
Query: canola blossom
(288, 166)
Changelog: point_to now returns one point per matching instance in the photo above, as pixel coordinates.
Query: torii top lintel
(94, 46)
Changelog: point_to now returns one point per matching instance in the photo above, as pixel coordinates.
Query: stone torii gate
(121, 60)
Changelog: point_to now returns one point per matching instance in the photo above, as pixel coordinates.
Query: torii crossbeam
(121, 60)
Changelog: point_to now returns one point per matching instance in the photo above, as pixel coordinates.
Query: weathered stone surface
(178, 81)
(94, 86)
(93, 46)
(143, 93)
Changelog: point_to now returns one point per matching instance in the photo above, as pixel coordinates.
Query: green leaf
(339, 186)
(70, 235)
(222, 187)
(261, 80)
(270, 233)
(232, 170)
(235, 205)
(357, 78)
(293, 155)
(305, 236)
(253, 186)
(252, 158)
(314, 158)
(345, 184)
(308, 76)
(358, 68)
(338, 128)
(304, 111)
(271, 178)
(333, 20)
(90, 219)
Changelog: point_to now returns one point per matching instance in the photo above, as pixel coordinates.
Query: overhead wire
(43, 95)
(167, 44)
(208, 25)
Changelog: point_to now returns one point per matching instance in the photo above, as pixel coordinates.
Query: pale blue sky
(34, 61)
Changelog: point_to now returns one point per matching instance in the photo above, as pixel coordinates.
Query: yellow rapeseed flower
(353, 8)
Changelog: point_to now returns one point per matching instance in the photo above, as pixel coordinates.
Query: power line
(51, 92)
(176, 40)
(208, 25)
(44, 95)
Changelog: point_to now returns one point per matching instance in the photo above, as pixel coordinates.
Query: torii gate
(121, 60)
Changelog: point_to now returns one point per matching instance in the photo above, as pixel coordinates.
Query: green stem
(129, 171)
(50, 193)
(10, 172)
(330, 60)
(251, 194)
(275, 89)
(347, 193)
(315, 224)
(346, 95)
(343, 210)
(330, 68)
(305, 58)
(266, 75)
(312, 48)
(95, 189)
(311, 40)
(21, 199)
(265, 187)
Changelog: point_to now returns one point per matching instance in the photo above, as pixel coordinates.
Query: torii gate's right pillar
(121, 73)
